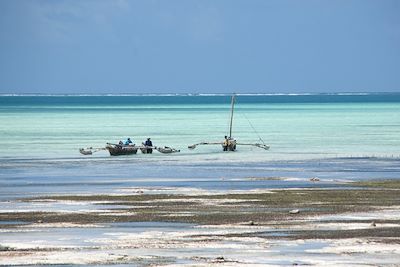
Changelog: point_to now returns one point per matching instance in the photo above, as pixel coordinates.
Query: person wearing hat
(149, 146)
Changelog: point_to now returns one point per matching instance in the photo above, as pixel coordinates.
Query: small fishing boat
(117, 150)
(229, 143)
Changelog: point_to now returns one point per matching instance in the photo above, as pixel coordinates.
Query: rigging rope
(254, 129)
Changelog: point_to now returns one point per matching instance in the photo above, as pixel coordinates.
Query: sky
(199, 46)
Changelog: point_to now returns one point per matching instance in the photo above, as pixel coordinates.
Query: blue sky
(204, 46)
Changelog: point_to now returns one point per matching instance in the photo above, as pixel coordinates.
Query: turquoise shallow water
(333, 137)
(296, 127)
(337, 138)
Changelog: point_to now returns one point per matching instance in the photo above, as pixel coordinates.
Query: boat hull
(118, 150)
(146, 150)
(167, 150)
(231, 146)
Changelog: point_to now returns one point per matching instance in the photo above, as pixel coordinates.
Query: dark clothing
(149, 143)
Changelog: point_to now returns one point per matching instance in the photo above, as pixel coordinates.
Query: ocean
(317, 141)
(346, 136)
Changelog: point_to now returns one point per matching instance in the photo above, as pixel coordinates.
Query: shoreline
(365, 217)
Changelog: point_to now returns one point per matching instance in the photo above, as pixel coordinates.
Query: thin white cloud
(63, 21)
(206, 24)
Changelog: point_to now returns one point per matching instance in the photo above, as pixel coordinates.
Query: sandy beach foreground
(353, 224)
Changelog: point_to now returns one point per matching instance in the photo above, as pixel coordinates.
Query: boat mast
(230, 125)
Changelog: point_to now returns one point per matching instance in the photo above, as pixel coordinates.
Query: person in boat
(225, 144)
(128, 141)
(149, 146)
(232, 143)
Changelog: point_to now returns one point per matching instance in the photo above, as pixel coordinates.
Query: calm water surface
(332, 136)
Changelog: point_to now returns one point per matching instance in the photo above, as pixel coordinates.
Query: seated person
(128, 141)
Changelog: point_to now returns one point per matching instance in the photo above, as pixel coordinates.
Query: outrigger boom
(204, 143)
(263, 146)
(90, 150)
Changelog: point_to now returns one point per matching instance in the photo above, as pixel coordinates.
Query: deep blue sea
(336, 136)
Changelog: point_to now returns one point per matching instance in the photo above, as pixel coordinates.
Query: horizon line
(196, 94)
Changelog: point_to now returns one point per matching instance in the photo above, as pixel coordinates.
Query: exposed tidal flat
(355, 223)
(326, 194)
(338, 212)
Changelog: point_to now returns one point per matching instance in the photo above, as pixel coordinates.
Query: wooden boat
(229, 143)
(146, 149)
(117, 150)
(166, 150)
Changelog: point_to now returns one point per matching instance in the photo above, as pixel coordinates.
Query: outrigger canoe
(118, 150)
(229, 144)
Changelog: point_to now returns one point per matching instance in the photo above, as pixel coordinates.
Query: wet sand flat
(356, 224)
